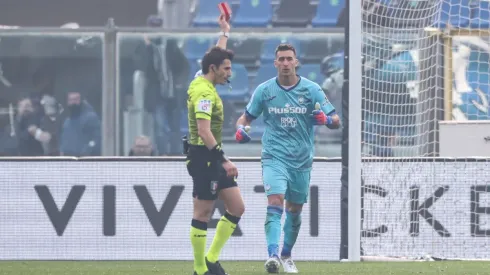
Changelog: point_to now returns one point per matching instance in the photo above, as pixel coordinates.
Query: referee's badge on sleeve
(204, 105)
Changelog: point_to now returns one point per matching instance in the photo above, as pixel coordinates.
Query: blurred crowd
(44, 127)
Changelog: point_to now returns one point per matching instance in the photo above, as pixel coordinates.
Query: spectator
(50, 126)
(166, 70)
(27, 129)
(81, 132)
(142, 147)
(9, 144)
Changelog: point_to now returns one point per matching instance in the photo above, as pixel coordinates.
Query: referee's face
(223, 72)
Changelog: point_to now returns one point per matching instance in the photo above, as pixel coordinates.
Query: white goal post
(354, 95)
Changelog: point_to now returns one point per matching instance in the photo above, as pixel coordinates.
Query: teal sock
(291, 231)
(273, 229)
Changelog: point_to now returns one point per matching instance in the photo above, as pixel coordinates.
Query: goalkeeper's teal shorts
(280, 179)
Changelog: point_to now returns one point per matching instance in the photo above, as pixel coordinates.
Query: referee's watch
(225, 34)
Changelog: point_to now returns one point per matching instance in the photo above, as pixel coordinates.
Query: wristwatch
(225, 34)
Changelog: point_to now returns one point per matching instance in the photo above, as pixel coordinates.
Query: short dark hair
(215, 56)
(285, 47)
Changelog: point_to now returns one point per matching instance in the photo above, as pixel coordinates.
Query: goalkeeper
(213, 174)
(291, 106)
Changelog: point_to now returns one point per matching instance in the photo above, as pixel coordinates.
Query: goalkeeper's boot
(288, 265)
(272, 264)
(215, 268)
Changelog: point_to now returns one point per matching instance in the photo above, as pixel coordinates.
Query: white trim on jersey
(198, 73)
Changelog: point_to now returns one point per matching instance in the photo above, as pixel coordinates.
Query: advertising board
(141, 210)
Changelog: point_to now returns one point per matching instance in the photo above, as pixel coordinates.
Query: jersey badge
(303, 100)
(204, 105)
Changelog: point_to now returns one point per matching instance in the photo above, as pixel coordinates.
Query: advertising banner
(141, 210)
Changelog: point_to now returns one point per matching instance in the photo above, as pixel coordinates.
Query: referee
(213, 174)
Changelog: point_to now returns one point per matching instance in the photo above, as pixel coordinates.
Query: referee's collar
(206, 80)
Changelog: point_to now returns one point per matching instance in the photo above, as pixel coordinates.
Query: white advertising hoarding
(435, 208)
(116, 212)
(141, 210)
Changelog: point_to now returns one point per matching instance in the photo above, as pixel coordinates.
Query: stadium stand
(264, 73)
(269, 48)
(247, 50)
(239, 83)
(253, 13)
(327, 13)
(293, 13)
(314, 50)
(278, 13)
(312, 72)
(206, 14)
(196, 47)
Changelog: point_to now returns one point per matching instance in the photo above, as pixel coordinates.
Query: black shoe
(215, 268)
(207, 273)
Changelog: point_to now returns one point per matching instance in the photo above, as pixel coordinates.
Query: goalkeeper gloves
(241, 134)
(318, 117)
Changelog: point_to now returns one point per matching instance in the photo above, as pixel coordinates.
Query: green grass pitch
(238, 268)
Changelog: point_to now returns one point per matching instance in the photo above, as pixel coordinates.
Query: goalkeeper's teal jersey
(289, 132)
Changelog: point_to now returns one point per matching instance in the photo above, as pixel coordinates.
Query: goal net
(425, 62)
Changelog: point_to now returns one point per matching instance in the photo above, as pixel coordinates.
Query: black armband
(218, 154)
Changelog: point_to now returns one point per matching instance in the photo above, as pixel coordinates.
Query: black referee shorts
(208, 176)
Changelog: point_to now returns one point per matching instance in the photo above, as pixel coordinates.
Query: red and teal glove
(318, 117)
(241, 134)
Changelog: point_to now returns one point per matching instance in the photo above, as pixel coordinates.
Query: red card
(225, 10)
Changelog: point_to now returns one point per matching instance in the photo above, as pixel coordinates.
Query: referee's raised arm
(225, 32)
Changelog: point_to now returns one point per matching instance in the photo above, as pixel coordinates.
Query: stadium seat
(327, 13)
(269, 48)
(312, 72)
(454, 12)
(481, 16)
(207, 14)
(246, 50)
(194, 48)
(253, 13)
(293, 13)
(316, 49)
(264, 73)
(239, 84)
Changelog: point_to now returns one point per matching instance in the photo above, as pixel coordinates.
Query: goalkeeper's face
(286, 63)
